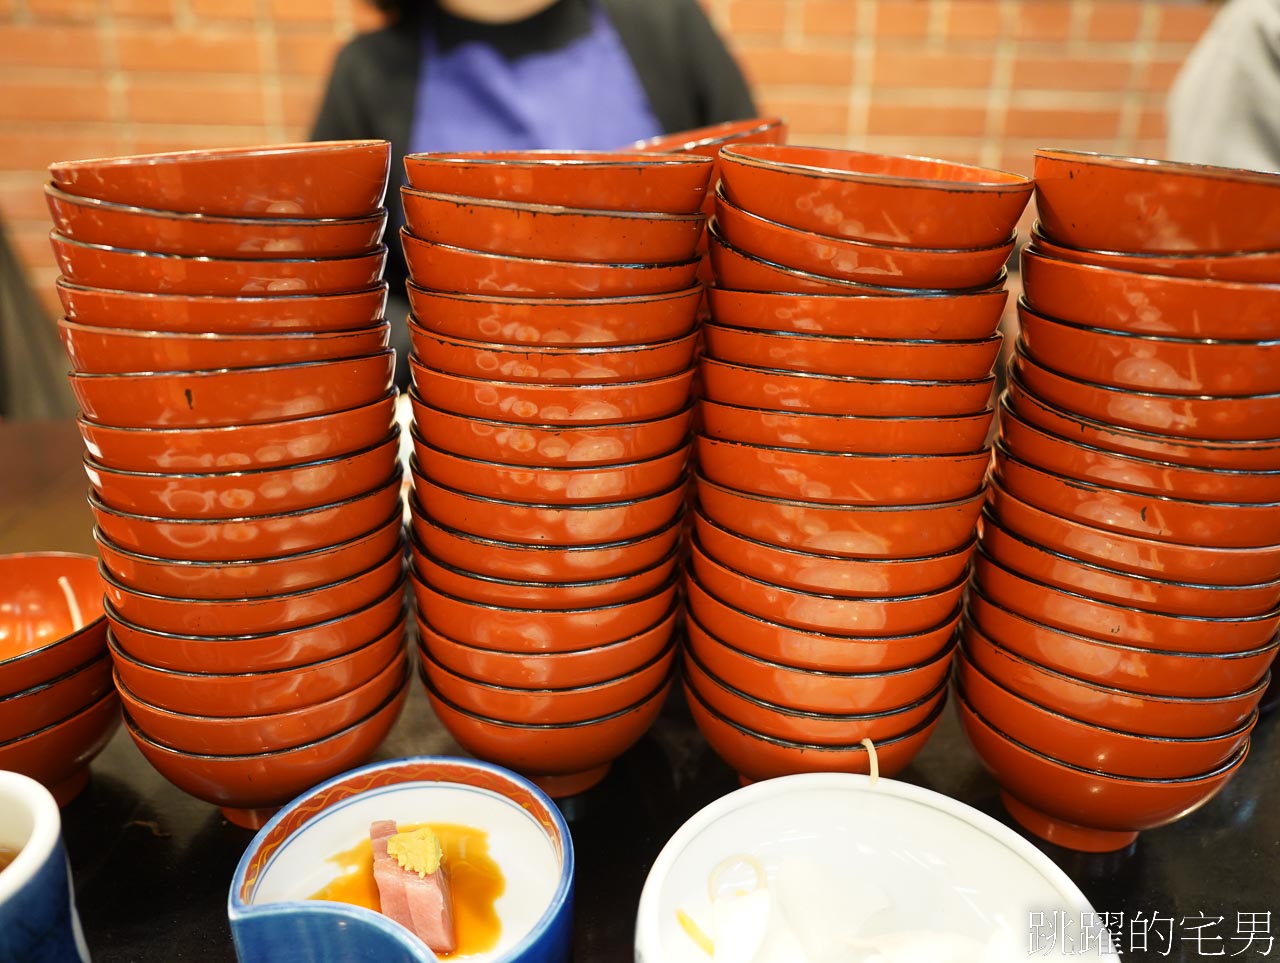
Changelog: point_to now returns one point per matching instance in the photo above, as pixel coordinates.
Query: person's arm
(1224, 107)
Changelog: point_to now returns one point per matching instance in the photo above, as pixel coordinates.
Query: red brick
(1017, 159)
(306, 54)
(303, 11)
(809, 115)
(63, 9)
(210, 101)
(1044, 20)
(200, 51)
(30, 241)
(33, 149)
(974, 19)
(1158, 75)
(49, 45)
(1054, 124)
(1114, 21)
(1151, 125)
(41, 282)
(143, 9)
(829, 19)
(810, 67)
(1071, 73)
(224, 9)
(1183, 22)
(964, 150)
(159, 140)
(55, 101)
(902, 18)
(920, 69)
(757, 16)
(299, 104)
(926, 120)
(1150, 149)
(22, 196)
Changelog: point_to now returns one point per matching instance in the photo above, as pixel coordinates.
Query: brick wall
(972, 80)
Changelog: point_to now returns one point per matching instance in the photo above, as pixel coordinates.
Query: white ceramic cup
(38, 918)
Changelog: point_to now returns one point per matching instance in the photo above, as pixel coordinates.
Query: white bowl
(848, 857)
(290, 859)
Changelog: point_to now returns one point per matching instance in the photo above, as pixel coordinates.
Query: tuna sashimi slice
(422, 903)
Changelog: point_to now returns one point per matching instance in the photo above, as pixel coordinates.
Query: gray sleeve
(1224, 107)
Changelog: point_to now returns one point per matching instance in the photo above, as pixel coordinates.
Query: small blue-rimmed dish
(274, 920)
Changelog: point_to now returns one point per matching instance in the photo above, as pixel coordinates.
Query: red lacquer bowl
(58, 755)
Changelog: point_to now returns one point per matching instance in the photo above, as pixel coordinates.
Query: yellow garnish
(695, 932)
(418, 850)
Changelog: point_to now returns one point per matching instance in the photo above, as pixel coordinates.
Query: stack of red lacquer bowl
(847, 381)
(1123, 612)
(229, 354)
(553, 327)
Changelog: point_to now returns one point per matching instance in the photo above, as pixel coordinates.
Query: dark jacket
(686, 71)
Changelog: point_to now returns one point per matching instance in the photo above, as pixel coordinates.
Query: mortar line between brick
(1000, 91)
(860, 92)
(272, 94)
(1135, 96)
(115, 80)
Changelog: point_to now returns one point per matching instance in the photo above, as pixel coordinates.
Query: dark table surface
(152, 865)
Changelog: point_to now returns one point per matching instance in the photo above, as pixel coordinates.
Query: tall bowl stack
(1124, 608)
(224, 321)
(847, 381)
(554, 333)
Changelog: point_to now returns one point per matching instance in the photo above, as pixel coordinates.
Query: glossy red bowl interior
(1149, 362)
(321, 179)
(572, 364)
(894, 265)
(444, 267)
(1125, 666)
(883, 198)
(250, 787)
(829, 651)
(1215, 418)
(545, 670)
(254, 733)
(708, 140)
(116, 350)
(58, 755)
(846, 433)
(552, 404)
(1138, 712)
(1256, 455)
(851, 531)
(821, 612)
(195, 313)
(281, 649)
(251, 537)
(562, 758)
(51, 617)
(1080, 808)
(514, 443)
(556, 321)
(749, 387)
(602, 180)
(540, 561)
(564, 524)
(1108, 297)
(202, 235)
(231, 447)
(241, 692)
(253, 491)
(100, 266)
(1111, 203)
(250, 578)
(756, 756)
(1105, 546)
(1255, 266)
(29, 710)
(960, 317)
(831, 574)
(841, 477)
(549, 231)
(857, 357)
(256, 615)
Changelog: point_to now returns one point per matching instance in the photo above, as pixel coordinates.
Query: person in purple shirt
(526, 74)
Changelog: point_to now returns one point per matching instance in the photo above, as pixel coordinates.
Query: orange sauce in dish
(475, 881)
(7, 855)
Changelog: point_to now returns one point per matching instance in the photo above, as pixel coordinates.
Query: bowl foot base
(67, 789)
(1065, 834)
(570, 784)
(249, 818)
